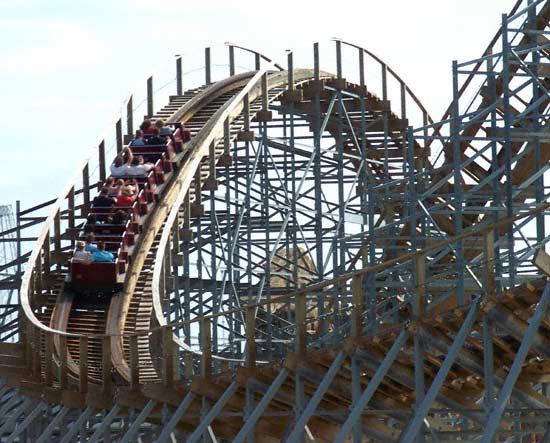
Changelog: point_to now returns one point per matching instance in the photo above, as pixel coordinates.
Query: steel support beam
(506, 391)
(412, 429)
(314, 401)
(371, 388)
(212, 414)
(260, 408)
(176, 417)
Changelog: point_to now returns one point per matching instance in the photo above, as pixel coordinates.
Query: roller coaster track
(323, 262)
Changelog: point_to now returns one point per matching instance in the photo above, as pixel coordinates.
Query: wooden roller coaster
(321, 261)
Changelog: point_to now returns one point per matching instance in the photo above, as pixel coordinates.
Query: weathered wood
(134, 362)
(118, 129)
(106, 365)
(542, 261)
(167, 356)
(83, 365)
(85, 190)
(102, 165)
(48, 361)
(63, 373)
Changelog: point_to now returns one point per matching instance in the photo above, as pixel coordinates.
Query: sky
(67, 66)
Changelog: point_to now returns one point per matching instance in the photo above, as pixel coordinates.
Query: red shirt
(124, 200)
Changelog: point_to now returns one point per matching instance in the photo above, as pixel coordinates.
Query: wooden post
(47, 259)
(86, 190)
(130, 116)
(102, 166)
(179, 77)
(300, 314)
(208, 72)
(83, 369)
(150, 107)
(106, 365)
(57, 231)
(231, 60)
(134, 362)
(206, 347)
(358, 301)
(48, 360)
(72, 214)
(189, 371)
(36, 363)
(167, 356)
(63, 361)
(119, 136)
(250, 336)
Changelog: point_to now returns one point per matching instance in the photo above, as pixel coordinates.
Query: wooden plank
(83, 369)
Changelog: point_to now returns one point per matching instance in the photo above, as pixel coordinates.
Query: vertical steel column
(150, 107)
(458, 199)
(507, 121)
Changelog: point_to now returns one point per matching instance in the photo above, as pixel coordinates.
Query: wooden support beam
(85, 191)
(83, 362)
(63, 380)
(106, 365)
(48, 363)
(102, 165)
(167, 356)
(134, 363)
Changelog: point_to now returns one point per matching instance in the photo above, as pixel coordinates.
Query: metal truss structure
(328, 263)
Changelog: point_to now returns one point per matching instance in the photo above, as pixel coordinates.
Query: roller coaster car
(95, 278)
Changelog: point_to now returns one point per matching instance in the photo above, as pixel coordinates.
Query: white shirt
(138, 170)
(119, 171)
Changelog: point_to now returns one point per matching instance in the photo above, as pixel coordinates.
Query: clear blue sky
(68, 65)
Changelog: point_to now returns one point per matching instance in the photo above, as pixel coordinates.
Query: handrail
(396, 76)
(262, 56)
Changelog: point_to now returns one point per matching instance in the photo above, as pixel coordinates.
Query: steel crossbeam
(369, 391)
(261, 407)
(133, 430)
(506, 391)
(56, 422)
(176, 417)
(412, 429)
(81, 420)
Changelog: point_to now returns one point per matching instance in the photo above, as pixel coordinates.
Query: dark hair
(139, 133)
(135, 161)
(119, 161)
(145, 125)
(92, 218)
(90, 238)
(119, 217)
(101, 246)
(156, 131)
(104, 190)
